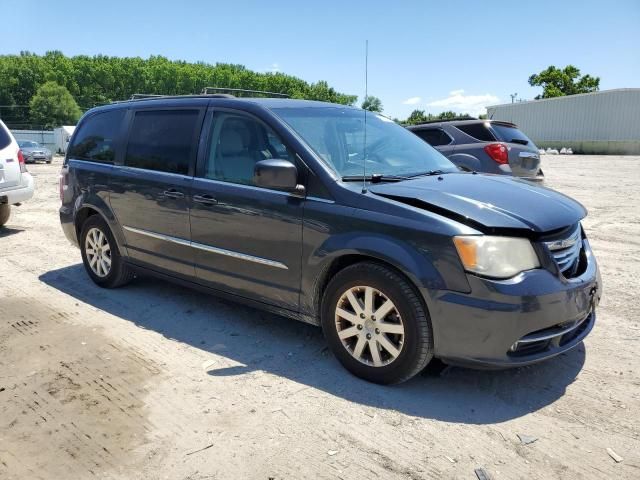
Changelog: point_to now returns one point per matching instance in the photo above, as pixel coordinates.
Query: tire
(118, 272)
(5, 213)
(412, 348)
(49, 161)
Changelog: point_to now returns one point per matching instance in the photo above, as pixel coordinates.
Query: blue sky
(432, 55)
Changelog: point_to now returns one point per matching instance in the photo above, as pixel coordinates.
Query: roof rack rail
(241, 92)
(444, 120)
(137, 96)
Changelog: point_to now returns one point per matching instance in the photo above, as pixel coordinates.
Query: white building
(605, 122)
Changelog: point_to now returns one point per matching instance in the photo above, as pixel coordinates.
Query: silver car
(34, 152)
(486, 146)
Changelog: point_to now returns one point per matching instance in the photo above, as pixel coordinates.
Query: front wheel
(376, 324)
(5, 212)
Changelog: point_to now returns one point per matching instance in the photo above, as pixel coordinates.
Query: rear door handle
(204, 199)
(172, 193)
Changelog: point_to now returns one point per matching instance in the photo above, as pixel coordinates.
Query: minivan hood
(487, 202)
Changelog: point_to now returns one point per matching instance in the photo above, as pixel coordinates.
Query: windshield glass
(337, 135)
(27, 144)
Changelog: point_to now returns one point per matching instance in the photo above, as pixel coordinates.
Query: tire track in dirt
(73, 407)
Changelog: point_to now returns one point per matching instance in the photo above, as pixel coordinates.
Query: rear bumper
(529, 318)
(68, 226)
(19, 193)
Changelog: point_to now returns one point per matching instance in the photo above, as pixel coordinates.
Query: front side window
(163, 140)
(237, 143)
(347, 142)
(97, 137)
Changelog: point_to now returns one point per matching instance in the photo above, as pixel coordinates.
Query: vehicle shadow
(297, 351)
(7, 231)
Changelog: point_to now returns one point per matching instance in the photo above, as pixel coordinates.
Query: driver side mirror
(278, 175)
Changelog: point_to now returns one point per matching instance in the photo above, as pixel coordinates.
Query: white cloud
(274, 68)
(412, 101)
(461, 103)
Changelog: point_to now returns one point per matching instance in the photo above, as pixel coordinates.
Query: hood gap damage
(511, 232)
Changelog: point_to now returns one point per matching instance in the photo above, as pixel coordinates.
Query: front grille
(566, 251)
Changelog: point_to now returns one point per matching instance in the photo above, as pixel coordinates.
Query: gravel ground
(157, 381)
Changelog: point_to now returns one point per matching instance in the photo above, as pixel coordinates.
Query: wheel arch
(411, 271)
(86, 210)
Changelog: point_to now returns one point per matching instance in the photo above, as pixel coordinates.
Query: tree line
(100, 79)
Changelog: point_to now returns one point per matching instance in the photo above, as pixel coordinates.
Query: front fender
(405, 257)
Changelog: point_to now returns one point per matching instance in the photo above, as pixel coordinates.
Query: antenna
(366, 94)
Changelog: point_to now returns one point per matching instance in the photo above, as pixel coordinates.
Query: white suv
(16, 184)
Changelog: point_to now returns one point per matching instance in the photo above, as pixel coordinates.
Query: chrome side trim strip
(318, 199)
(159, 236)
(208, 248)
(240, 256)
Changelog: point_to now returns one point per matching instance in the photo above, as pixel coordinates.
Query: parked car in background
(483, 146)
(264, 201)
(16, 184)
(34, 152)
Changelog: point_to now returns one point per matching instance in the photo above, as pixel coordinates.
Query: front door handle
(172, 193)
(204, 199)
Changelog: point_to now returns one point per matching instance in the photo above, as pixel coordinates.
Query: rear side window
(163, 140)
(434, 136)
(97, 137)
(479, 131)
(510, 134)
(5, 138)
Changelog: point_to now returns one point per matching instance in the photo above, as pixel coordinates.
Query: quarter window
(237, 143)
(97, 137)
(479, 131)
(163, 140)
(434, 136)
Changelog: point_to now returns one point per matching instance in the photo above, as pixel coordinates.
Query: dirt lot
(157, 381)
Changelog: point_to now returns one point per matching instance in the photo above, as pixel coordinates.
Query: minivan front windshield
(337, 135)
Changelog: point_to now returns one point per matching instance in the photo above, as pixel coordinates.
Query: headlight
(497, 257)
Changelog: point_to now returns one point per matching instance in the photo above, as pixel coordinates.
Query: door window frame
(205, 147)
(195, 140)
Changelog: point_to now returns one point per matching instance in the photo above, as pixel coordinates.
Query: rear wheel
(100, 254)
(5, 212)
(376, 324)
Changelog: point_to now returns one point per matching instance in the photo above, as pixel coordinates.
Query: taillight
(23, 166)
(63, 184)
(498, 153)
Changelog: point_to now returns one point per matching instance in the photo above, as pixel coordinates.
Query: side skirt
(226, 295)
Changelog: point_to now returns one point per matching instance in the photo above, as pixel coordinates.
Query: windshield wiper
(520, 141)
(429, 173)
(375, 178)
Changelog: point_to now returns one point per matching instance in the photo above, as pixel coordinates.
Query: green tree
(53, 106)
(101, 79)
(371, 103)
(556, 82)
(417, 116)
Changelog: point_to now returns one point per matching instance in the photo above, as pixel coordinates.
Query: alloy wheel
(98, 252)
(369, 326)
